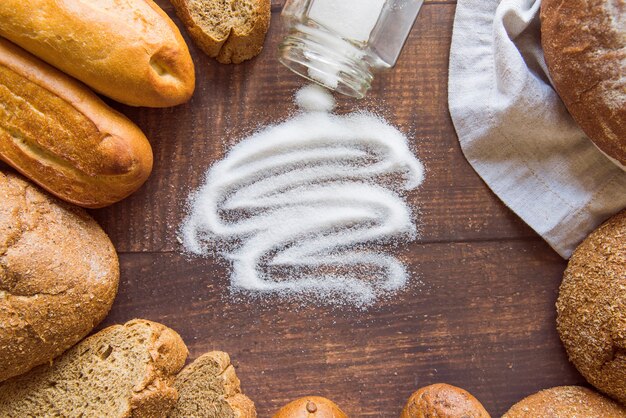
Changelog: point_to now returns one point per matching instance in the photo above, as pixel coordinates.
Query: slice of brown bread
(122, 371)
(230, 30)
(209, 388)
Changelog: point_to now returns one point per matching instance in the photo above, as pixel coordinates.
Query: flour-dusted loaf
(591, 308)
(584, 42)
(63, 137)
(128, 50)
(58, 276)
(209, 388)
(566, 402)
(231, 31)
(122, 371)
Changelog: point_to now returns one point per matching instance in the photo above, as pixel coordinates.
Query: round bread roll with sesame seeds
(591, 308)
(566, 402)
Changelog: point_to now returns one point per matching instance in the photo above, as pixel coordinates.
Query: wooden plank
(480, 316)
(232, 100)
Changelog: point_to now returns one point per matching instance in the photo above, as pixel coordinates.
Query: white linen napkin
(515, 131)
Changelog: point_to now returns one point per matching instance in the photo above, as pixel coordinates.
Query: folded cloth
(515, 131)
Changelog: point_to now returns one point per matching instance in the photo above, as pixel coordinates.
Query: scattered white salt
(315, 98)
(303, 208)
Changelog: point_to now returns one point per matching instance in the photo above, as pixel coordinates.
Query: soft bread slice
(230, 30)
(209, 388)
(122, 371)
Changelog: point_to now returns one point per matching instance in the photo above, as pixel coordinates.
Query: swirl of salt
(312, 195)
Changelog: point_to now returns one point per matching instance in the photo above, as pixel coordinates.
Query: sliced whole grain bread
(230, 30)
(122, 371)
(209, 388)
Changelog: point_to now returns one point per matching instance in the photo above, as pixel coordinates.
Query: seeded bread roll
(231, 31)
(209, 388)
(58, 276)
(310, 407)
(566, 402)
(584, 42)
(120, 372)
(128, 50)
(442, 400)
(63, 137)
(591, 308)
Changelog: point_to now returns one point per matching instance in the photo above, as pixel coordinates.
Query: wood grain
(480, 316)
(479, 312)
(231, 101)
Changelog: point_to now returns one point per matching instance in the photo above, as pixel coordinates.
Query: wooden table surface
(479, 312)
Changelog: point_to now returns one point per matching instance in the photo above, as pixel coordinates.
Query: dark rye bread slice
(209, 388)
(230, 30)
(122, 371)
(584, 43)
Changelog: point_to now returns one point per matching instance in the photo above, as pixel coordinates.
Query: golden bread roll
(443, 401)
(58, 276)
(584, 43)
(311, 407)
(591, 308)
(566, 402)
(128, 50)
(59, 134)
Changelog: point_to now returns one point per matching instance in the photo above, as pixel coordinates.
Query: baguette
(58, 276)
(127, 50)
(59, 134)
(120, 372)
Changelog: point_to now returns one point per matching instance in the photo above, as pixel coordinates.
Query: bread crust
(591, 308)
(311, 407)
(566, 402)
(58, 276)
(585, 49)
(239, 43)
(443, 400)
(63, 137)
(151, 397)
(203, 397)
(128, 50)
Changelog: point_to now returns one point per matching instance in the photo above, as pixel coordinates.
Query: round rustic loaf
(584, 42)
(442, 400)
(566, 402)
(58, 276)
(591, 308)
(310, 407)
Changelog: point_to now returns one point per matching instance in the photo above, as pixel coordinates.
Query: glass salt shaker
(341, 43)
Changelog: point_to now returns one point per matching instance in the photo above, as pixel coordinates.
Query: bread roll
(209, 387)
(58, 276)
(310, 407)
(584, 42)
(566, 402)
(128, 50)
(63, 137)
(442, 400)
(122, 371)
(591, 308)
(231, 31)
